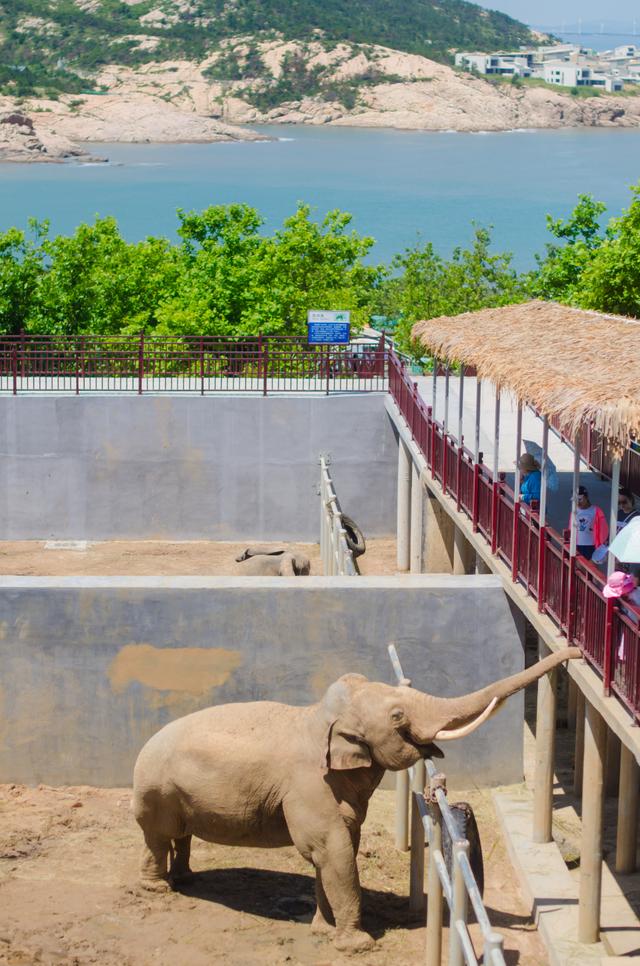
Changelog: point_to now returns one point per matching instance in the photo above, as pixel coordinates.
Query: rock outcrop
(21, 141)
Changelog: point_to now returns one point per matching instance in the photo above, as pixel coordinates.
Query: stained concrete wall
(183, 468)
(91, 667)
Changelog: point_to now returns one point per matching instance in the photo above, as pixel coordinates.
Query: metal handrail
(335, 553)
(429, 808)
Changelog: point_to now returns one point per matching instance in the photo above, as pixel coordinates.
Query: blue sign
(328, 328)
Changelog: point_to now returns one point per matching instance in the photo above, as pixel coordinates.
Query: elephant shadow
(290, 896)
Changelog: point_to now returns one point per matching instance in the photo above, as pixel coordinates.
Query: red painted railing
(568, 589)
(31, 363)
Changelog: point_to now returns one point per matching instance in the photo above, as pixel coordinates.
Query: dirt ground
(68, 893)
(160, 558)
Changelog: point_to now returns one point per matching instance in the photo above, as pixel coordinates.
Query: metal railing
(429, 811)
(568, 589)
(335, 553)
(195, 364)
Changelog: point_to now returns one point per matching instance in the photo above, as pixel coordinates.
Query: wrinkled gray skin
(279, 563)
(264, 774)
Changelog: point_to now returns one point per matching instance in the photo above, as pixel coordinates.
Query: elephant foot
(155, 885)
(354, 941)
(320, 926)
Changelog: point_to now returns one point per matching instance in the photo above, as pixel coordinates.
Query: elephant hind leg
(180, 869)
(153, 869)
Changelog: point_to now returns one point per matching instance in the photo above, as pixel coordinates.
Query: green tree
(426, 285)
(610, 281)
(236, 282)
(97, 282)
(21, 270)
(559, 272)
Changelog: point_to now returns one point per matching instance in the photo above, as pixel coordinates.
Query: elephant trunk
(444, 719)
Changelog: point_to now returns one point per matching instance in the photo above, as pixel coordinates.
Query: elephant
(264, 561)
(263, 774)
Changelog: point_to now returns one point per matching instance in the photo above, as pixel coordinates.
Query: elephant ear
(346, 749)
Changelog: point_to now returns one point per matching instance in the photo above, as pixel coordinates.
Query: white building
(566, 74)
(508, 64)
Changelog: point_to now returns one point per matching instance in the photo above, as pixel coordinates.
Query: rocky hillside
(57, 45)
(137, 93)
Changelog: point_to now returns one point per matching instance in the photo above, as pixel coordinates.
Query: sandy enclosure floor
(68, 893)
(157, 558)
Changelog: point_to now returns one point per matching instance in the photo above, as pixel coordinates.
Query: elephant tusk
(450, 735)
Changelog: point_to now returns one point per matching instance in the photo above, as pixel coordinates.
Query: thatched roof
(578, 365)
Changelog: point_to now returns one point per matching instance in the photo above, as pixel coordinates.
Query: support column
(438, 550)
(579, 746)
(417, 522)
(612, 766)
(545, 751)
(464, 554)
(404, 506)
(595, 743)
(627, 834)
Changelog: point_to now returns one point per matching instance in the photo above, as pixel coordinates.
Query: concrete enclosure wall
(191, 467)
(91, 667)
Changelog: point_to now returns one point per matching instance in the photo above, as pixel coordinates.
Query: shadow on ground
(288, 896)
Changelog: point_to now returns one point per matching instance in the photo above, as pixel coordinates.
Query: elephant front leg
(339, 881)
(323, 921)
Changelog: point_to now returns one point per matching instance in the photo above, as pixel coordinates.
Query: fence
(595, 453)
(568, 589)
(336, 556)
(195, 364)
(429, 811)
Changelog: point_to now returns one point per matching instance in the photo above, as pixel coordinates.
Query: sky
(559, 11)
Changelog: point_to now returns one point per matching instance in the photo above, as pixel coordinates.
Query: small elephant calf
(264, 561)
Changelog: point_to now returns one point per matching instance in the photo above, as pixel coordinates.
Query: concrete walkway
(559, 501)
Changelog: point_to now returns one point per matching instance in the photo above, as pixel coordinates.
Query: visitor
(531, 479)
(622, 586)
(591, 526)
(627, 510)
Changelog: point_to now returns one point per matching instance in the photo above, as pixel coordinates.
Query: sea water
(401, 187)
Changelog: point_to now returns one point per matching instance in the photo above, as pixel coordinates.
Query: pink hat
(618, 584)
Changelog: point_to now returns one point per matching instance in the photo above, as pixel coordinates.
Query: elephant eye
(397, 715)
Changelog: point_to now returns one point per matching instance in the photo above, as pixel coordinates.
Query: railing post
(435, 897)
(493, 943)
(201, 366)
(476, 486)
(140, 363)
(328, 368)
(14, 369)
(460, 906)
(608, 656)
(402, 811)
(459, 477)
(77, 371)
(259, 356)
(542, 533)
(416, 878)
(265, 368)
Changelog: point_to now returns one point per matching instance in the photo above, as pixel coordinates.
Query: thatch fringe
(578, 365)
